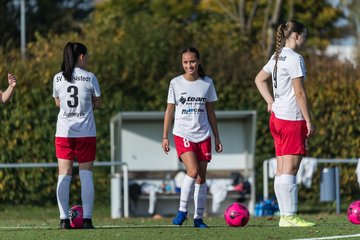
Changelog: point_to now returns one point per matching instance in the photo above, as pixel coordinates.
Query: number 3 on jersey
(74, 100)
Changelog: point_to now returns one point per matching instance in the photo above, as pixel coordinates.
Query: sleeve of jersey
(171, 94)
(96, 86)
(269, 66)
(55, 93)
(212, 96)
(297, 68)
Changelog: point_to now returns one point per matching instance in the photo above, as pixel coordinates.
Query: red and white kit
(287, 124)
(191, 122)
(75, 128)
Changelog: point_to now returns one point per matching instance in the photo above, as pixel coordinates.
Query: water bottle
(257, 209)
(167, 183)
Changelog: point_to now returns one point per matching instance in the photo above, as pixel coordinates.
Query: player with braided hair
(290, 119)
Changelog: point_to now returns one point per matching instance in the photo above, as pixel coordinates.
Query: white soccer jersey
(290, 66)
(190, 97)
(76, 118)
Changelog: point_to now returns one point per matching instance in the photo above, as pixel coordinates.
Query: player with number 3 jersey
(76, 92)
(76, 118)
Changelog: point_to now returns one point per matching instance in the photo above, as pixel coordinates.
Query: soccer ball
(353, 212)
(236, 215)
(76, 216)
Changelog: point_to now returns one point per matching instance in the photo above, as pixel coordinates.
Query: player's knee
(193, 173)
(65, 172)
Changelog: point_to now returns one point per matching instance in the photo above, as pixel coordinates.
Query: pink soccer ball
(353, 212)
(236, 215)
(76, 216)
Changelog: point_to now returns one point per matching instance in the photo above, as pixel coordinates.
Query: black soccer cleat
(87, 223)
(64, 224)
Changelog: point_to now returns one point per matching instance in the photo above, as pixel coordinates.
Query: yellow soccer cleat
(294, 221)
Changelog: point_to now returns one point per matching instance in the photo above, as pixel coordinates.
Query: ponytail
(68, 63)
(278, 46)
(72, 51)
(279, 40)
(201, 71)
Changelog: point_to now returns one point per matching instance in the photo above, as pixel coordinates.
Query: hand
(218, 146)
(165, 145)
(311, 129)
(11, 80)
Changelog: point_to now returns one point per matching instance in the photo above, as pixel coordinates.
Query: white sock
(62, 195)
(87, 192)
(277, 189)
(289, 194)
(186, 192)
(200, 194)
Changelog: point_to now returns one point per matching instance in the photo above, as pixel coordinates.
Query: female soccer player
(76, 92)
(6, 95)
(290, 121)
(192, 96)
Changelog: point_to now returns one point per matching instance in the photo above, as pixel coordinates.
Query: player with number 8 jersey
(76, 92)
(192, 96)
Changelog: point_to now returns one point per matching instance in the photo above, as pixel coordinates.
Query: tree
(42, 16)
(9, 23)
(258, 20)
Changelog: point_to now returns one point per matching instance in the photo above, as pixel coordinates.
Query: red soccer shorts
(289, 136)
(201, 149)
(83, 149)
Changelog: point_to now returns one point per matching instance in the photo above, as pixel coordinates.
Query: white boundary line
(332, 237)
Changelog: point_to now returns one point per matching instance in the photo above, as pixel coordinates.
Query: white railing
(116, 194)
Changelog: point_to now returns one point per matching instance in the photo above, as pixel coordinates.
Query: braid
(279, 43)
(279, 40)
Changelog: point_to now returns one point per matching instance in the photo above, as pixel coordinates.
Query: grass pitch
(23, 222)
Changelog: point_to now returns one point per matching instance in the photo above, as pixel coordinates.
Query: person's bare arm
(57, 101)
(96, 102)
(301, 99)
(213, 123)
(168, 116)
(262, 83)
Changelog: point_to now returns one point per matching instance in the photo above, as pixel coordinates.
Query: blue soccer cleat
(199, 223)
(179, 218)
